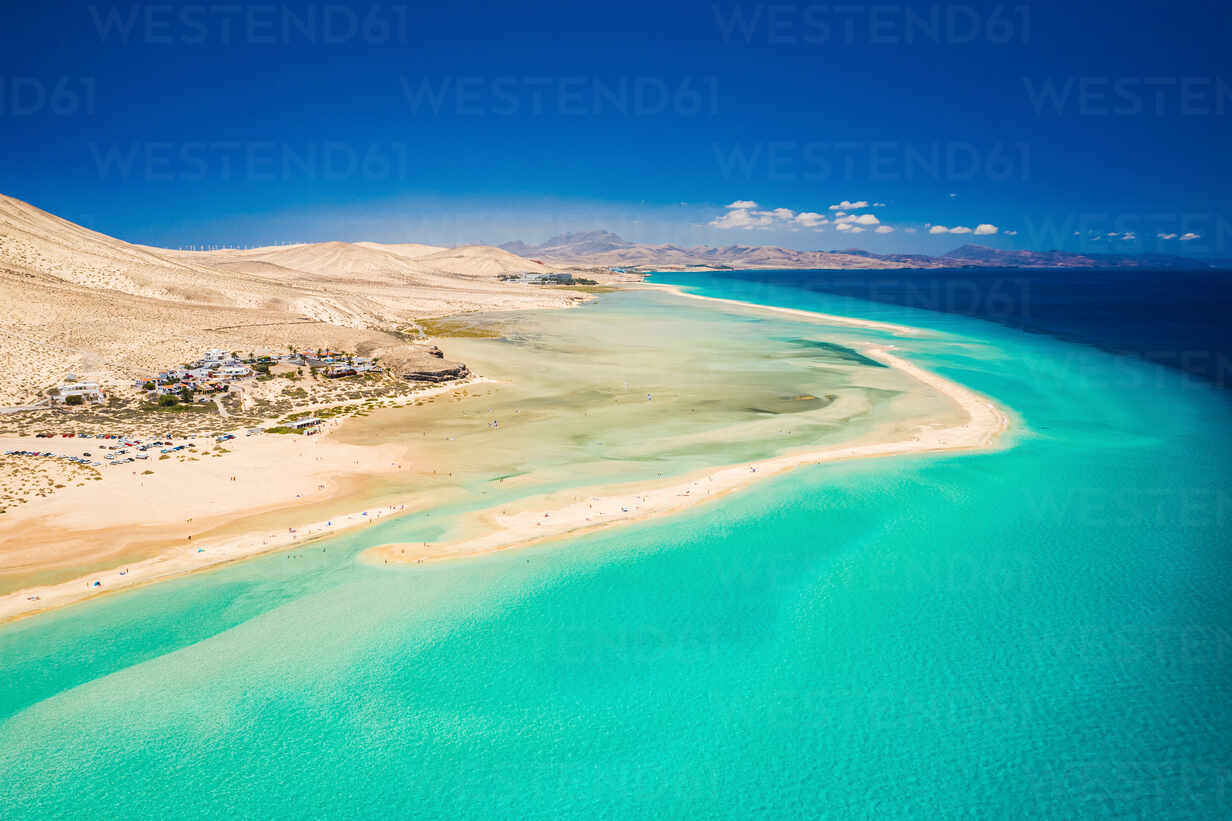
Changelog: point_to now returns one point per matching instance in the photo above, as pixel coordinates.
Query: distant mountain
(605, 249)
(982, 255)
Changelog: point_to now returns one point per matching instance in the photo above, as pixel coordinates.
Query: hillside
(106, 309)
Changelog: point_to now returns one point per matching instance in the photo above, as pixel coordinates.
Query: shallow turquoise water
(1044, 630)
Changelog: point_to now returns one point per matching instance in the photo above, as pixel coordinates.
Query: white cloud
(883, 229)
(1166, 236)
(1010, 233)
(938, 229)
(1129, 235)
(746, 215)
(1189, 236)
(984, 229)
(849, 206)
(952, 196)
(742, 218)
(879, 205)
(960, 229)
(862, 219)
(957, 229)
(811, 219)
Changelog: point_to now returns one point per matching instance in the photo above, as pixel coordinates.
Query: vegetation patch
(457, 327)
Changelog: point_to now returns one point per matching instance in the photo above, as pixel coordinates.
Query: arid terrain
(113, 312)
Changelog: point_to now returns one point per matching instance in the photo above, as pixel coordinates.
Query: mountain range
(605, 249)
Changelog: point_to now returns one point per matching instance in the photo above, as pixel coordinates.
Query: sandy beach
(277, 492)
(795, 313)
(160, 519)
(553, 517)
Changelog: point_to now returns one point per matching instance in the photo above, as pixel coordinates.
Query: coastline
(549, 519)
(552, 517)
(797, 313)
(327, 469)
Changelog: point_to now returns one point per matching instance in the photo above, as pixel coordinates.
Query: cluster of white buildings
(217, 368)
(210, 374)
(335, 364)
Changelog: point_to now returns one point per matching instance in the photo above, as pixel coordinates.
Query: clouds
(746, 215)
(858, 219)
(811, 219)
(1188, 236)
(855, 223)
(740, 215)
(846, 217)
(984, 229)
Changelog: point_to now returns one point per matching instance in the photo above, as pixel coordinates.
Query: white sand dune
(107, 309)
(410, 250)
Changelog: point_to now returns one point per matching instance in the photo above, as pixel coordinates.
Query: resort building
(88, 391)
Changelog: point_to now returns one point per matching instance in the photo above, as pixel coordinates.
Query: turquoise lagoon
(1041, 630)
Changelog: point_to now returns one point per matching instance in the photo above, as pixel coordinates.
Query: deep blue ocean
(1177, 318)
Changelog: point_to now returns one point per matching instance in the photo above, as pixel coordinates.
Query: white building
(88, 391)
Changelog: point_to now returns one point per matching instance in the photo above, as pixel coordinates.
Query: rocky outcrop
(444, 373)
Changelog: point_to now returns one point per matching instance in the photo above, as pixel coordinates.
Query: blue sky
(1092, 126)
